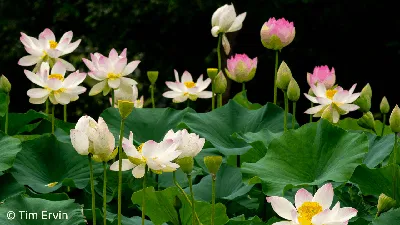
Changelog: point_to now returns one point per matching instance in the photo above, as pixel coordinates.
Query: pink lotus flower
(323, 75)
(241, 68)
(276, 34)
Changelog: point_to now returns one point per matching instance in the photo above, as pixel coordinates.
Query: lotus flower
(91, 137)
(323, 75)
(187, 89)
(111, 71)
(241, 68)
(333, 102)
(157, 156)
(190, 145)
(47, 48)
(128, 93)
(54, 86)
(311, 209)
(276, 34)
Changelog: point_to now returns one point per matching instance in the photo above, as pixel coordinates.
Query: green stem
(219, 100)
(152, 95)
(276, 75)
(213, 97)
(112, 98)
(144, 196)
(92, 188)
(183, 193)
(52, 118)
(189, 177)
(105, 193)
(213, 200)
(7, 108)
(383, 123)
(65, 113)
(286, 110)
(121, 136)
(47, 106)
(294, 114)
(311, 116)
(243, 86)
(188, 103)
(395, 197)
(219, 51)
(156, 182)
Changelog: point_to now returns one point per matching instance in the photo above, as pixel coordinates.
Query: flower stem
(213, 97)
(312, 105)
(383, 123)
(52, 118)
(92, 188)
(156, 182)
(144, 196)
(189, 176)
(112, 98)
(105, 193)
(121, 136)
(152, 96)
(65, 113)
(276, 74)
(213, 199)
(183, 193)
(219, 100)
(7, 109)
(47, 106)
(219, 51)
(243, 86)
(294, 114)
(188, 103)
(395, 197)
(286, 110)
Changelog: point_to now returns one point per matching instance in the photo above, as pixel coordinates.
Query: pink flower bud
(322, 75)
(241, 68)
(276, 34)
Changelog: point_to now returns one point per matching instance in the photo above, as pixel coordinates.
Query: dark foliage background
(359, 38)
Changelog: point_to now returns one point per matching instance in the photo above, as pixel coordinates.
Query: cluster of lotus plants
(240, 163)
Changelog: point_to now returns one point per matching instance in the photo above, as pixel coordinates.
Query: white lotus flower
(54, 86)
(46, 47)
(311, 210)
(157, 156)
(333, 102)
(128, 93)
(187, 89)
(111, 71)
(93, 137)
(190, 145)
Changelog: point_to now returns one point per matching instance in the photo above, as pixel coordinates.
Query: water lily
(54, 85)
(128, 93)
(111, 71)
(91, 137)
(309, 209)
(322, 74)
(157, 156)
(187, 89)
(241, 68)
(47, 47)
(190, 143)
(277, 34)
(333, 102)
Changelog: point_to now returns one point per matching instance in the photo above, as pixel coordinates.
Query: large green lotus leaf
(229, 185)
(9, 148)
(380, 148)
(67, 211)
(10, 187)
(391, 217)
(351, 124)
(241, 220)
(203, 210)
(46, 160)
(219, 125)
(376, 181)
(3, 103)
(310, 155)
(241, 98)
(146, 123)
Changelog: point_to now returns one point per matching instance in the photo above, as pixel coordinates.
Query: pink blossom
(241, 68)
(322, 74)
(276, 34)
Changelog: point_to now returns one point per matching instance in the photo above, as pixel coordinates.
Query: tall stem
(52, 118)
(105, 193)
(395, 197)
(213, 200)
(219, 100)
(112, 98)
(144, 196)
(383, 123)
(47, 106)
(92, 189)
(294, 115)
(213, 97)
(219, 51)
(189, 176)
(276, 74)
(65, 113)
(152, 96)
(243, 86)
(311, 116)
(183, 193)
(121, 135)
(188, 103)
(7, 109)
(286, 110)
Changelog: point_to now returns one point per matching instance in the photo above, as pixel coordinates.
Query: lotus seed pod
(212, 73)
(125, 108)
(385, 203)
(186, 164)
(213, 163)
(152, 75)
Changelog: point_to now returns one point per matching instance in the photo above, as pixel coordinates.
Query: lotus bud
(384, 106)
(364, 101)
(241, 68)
(212, 73)
(394, 119)
(213, 163)
(323, 75)
(284, 76)
(220, 83)
(186, 164)
(152, 75)
(276, 34)
(385, 203)
(293, 91)
(367, 121)
(5, 85)
(125, 108)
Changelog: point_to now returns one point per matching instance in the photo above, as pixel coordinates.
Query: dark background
(360, 39)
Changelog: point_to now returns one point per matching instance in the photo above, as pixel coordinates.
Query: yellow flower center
(113, 76)
(307, 210)
(330, 93)
(139, 149)
(51, 184)
(189, 84)
(61, 90)
(53, 44)
(57, 76)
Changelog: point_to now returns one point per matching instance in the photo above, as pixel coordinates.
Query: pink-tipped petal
(302, 196)
(324, 195)
(281, 206)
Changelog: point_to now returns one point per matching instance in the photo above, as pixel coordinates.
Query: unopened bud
(220, 83)
(152, 75)
(212, 73)
(5, 84)
(367, 121)
(125, 108)
(186, 164)
(284, 76)
(213, 163)
(293, 91)
(385, 203)
(367, 90)
(394, 119)
(364, 101)
(384, 106)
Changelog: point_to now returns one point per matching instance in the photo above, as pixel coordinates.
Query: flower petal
(67, 65)
(38, 93)
(311, 98)
(130, 67)
(74, 79)
(215, 31)
(35, 78)
(54, 84)
(114, 83)
(80, 141)
(314, 109)
(138, 171)
(38, 100)
(29, 60)
(281, 206)
(302, 196)
(172, 94)
(186, 77)
(237, 24)
(324, 195)
(96, 89)
(204, 94)
(349, 107)
(126, 165)
(58, 68)
(71, 47)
